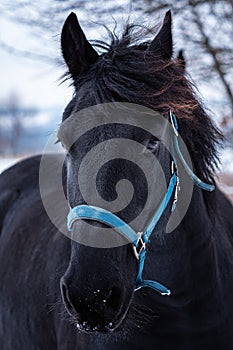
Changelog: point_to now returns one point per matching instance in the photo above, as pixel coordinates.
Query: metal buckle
(141, 245)
(173, 166)
(177, 190)
(177, 186)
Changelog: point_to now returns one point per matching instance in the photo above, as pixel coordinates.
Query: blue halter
(139, 240)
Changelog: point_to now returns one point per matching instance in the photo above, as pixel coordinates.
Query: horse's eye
(152, 145)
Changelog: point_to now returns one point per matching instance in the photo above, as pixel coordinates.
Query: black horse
(57, 293)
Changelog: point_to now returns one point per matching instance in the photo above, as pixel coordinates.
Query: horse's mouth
(108, 328)
(85, 328)
(112, 326)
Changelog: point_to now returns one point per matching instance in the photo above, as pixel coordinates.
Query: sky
(37, 82)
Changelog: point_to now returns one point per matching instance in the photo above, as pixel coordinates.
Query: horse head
(98, 287)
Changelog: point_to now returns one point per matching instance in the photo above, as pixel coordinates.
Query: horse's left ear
(78, 53)
(162, 43)
(181, 60)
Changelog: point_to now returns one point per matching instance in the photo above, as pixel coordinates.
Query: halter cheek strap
(141, 239)
(175, 144)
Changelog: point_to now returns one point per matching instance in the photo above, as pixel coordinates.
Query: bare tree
(206, 32)
(203, 28)
(14, 113)
(10, 123)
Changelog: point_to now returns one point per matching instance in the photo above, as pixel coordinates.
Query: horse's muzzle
(100, 311)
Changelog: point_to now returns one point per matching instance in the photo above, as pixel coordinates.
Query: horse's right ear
(78, 53)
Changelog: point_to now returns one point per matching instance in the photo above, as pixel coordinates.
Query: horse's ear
(162, 43)
(76, 49)
(181, 60)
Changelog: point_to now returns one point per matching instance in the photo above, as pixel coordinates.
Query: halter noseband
(139, 240)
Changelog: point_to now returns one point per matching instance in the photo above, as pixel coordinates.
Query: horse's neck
(186, 263)
(199, 248)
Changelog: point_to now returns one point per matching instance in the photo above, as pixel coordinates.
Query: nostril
(113, 299)
(66, 299)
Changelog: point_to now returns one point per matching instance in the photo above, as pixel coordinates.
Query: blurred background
(32, 98)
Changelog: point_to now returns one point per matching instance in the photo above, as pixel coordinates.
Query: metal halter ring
(140, 246)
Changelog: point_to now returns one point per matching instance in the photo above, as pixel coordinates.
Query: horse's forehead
(134, 119)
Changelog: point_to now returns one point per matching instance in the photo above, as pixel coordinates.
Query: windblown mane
(127, 71)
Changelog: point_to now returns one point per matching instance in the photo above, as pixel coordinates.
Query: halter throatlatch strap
(141, 239)
(196, 180)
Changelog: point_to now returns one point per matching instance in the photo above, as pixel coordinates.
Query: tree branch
(26, 54)
(214, 54)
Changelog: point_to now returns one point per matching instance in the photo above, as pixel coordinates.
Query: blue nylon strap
(158, 287)
(90, 212)
(197, 181)
(140, 283)
(98, 214)
(149, 229)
